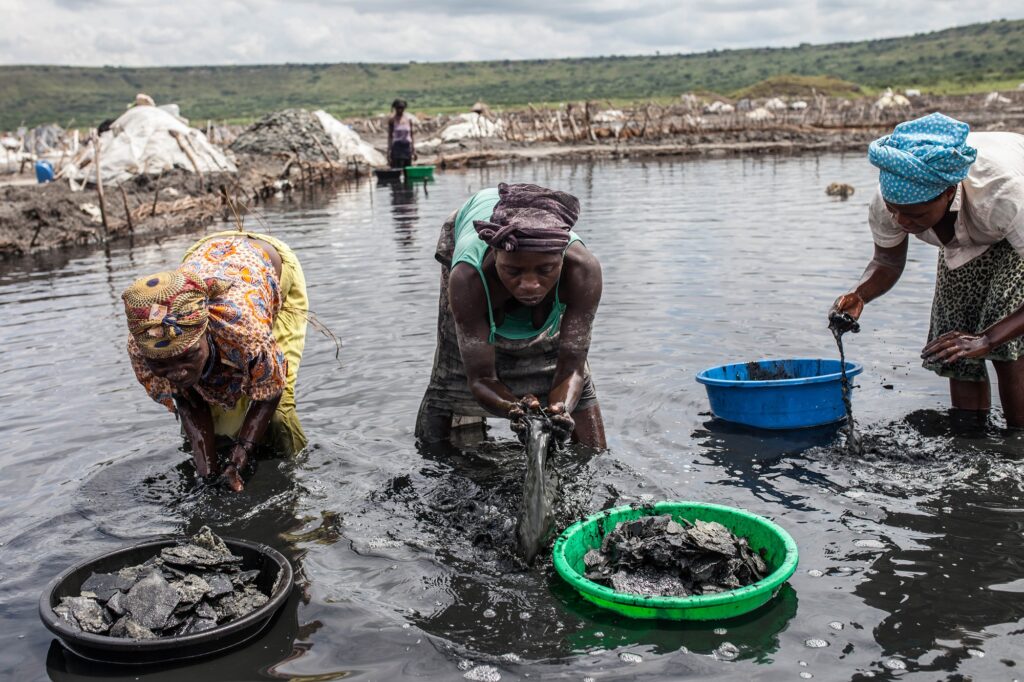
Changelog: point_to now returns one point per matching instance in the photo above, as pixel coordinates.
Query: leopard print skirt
(973, 297)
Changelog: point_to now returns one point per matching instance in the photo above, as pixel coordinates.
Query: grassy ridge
(963, 59)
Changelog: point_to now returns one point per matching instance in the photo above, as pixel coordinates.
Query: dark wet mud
(407, 560)
(757, 372)
(656, 556)
(839, 324)
(539, 489)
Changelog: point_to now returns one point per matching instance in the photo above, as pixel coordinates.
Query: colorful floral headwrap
(169, 311)
(922, 158)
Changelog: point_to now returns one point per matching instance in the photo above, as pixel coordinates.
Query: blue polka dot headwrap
(922, 158)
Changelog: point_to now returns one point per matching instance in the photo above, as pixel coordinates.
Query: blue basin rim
(852, 370)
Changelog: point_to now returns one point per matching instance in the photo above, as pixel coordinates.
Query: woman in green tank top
(521, 294)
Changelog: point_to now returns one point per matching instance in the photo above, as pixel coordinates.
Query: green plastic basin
(419, 172)
(775, 544)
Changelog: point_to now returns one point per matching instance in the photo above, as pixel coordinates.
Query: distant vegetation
(800, 86)
(964, 59)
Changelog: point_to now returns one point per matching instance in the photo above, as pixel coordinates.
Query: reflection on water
(910, 555)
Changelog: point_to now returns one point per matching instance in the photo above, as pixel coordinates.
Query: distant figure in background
(218, 342)
(401, 147)
(963, 193)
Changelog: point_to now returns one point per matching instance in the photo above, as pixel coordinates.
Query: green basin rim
(767, 584)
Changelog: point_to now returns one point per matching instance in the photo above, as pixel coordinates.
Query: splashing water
(535, 511)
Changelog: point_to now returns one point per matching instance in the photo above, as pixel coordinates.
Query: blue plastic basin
(44, 172)
(778, 394)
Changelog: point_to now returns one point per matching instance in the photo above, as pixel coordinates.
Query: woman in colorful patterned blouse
(218, 341)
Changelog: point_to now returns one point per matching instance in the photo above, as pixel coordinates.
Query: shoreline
(36, 219)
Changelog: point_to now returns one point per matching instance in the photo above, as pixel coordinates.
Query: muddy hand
(205, 467)
(562, 425)
(517, 413)
(956, 345)
(241, 462)
(232, 479)
(846, 306)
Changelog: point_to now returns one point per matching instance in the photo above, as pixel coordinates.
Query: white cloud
(156, 33)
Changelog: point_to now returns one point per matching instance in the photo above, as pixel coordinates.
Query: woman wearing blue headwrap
(964, 193)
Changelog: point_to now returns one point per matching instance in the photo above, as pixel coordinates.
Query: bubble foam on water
(836, 625)
(627, 657)
(727, 651)
(815, 644)
(490, 613)
(815, 573)
(869, 544)
(894, 664)
(721, 631)
(483, 673)
(806, 675)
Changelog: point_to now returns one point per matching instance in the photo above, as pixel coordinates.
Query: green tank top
(469, 248)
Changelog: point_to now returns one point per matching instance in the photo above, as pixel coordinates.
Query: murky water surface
(911, 557)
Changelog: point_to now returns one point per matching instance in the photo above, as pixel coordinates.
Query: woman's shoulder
(577, 255)
(581, 278)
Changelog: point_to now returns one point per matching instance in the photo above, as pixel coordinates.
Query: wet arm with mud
(582, 294)
(882, 273)
(468, 302)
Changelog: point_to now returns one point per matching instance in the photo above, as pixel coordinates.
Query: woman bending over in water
(519, 292)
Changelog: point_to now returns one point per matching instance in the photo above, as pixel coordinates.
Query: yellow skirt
(285, 432)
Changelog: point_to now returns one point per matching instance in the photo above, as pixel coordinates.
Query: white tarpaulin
(148, 140)
(350, 146)
(471, 125)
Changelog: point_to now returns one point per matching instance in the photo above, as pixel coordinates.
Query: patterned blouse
(245, 358)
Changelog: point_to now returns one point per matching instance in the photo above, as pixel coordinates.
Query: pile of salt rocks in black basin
(655, 556)
(186, 589)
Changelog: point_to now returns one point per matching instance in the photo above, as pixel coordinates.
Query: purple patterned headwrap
(530, 218)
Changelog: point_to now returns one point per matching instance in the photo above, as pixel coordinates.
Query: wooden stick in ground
(324, 152)
(156, 196)
(127, 211)
(188, 152)
(572, 123)
(99, 189)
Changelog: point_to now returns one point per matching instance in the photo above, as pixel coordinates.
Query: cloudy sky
(181, 32)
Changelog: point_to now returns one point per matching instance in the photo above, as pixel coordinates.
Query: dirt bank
(36, 218)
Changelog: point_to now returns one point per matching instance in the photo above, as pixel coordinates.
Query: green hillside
(963, 59)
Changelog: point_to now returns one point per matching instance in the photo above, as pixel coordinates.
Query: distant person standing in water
(401, 146)
(218, 342)
(963, 193)
(519, 293)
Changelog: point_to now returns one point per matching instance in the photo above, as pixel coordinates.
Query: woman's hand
(232, 479)
(956, 345)
(517, 413)
(562, 424)
(240, 462)
(851, 304)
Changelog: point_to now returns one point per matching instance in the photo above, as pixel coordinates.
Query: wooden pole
(99, 189)
(188, 152)
(572, 123)
(127, 211)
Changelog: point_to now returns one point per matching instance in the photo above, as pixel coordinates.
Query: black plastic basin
(269, 561)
